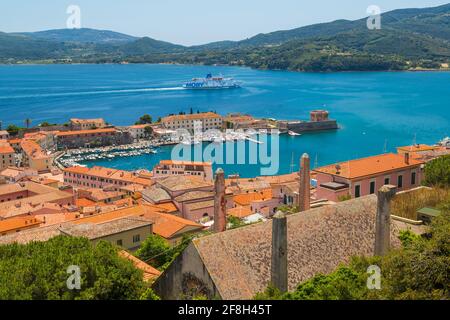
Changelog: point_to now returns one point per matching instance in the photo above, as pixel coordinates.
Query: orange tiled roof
(79, 132)
(83, 202)
(245, 199)
(167, 207)
(149, 272)
(417, 148)
(5, 148)
(240, 212)
(369, 166)
(110, 174)
(33, 150)
(18, 223)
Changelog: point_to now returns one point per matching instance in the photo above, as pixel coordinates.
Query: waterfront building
(360, 177)
(100, 177)
(86, 124)
(4, 135)
(238, 121)
(7, 155)
(92, 138)
(35, 157)
(167, 168)
(138, 131)
(209, 120)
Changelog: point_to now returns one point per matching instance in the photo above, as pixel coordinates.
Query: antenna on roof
(385, 146)
(316, 161)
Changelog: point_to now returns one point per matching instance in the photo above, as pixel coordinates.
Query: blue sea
(377, 111)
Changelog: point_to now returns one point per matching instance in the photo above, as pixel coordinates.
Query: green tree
(13, 129)
(38, 271)
(145, 119)
(155, 250)
(148, 131)
(437, 172)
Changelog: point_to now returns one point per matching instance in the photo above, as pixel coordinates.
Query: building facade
(361, 177)
(208, 120)
(167, 168)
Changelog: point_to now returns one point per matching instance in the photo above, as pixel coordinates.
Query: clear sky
(190, 21)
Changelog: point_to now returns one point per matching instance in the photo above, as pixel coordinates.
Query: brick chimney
(305, 182)
(220, 216)
(279, 263)
(407, 157)
(383, 219)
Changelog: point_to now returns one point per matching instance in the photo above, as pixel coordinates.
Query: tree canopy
(39, 271)
(437, 172)
(145, 119)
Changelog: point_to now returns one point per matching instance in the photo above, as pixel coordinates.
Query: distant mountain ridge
(82, 35)
(408, 39)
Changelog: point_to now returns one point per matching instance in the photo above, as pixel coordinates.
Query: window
(400, 181)
(387, 181)
(372, 187)
(136, 238)
(413, 178)
(357, 191)
(119, 243)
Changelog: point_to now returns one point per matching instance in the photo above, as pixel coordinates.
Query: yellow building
(7, 156)
(34, 157)
(209, 120)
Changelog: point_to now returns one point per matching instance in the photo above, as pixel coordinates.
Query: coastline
(34, 63)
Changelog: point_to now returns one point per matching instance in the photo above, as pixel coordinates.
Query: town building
(18, 224)
(4, 135)
(193, 196)
(127, 233)
(100, 177)
(7, 155)
(15, 174)
(167, 168)
(208, 120)
(92, 138)
(360, 177)
(34, 157)
(139, 131)
(86, 124)
(24, 197)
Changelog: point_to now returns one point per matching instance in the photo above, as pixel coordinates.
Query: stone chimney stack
(383, 219)
(279, 265)
(220, 218)
(305, 182)
(407, 157)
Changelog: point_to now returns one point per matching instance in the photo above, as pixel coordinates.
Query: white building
(209, 120)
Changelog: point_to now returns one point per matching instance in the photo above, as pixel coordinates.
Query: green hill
(408, 39)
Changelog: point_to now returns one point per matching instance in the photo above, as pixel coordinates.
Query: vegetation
(288, 209)
(408, 40)
(418, 270)
(234, 222)
(145, 119)
(437, 172)
(406, 204)
(344, 198)
(38, 271)
(156, 251)
(13, 130)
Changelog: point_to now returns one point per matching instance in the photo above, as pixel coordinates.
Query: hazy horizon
(192, 23)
